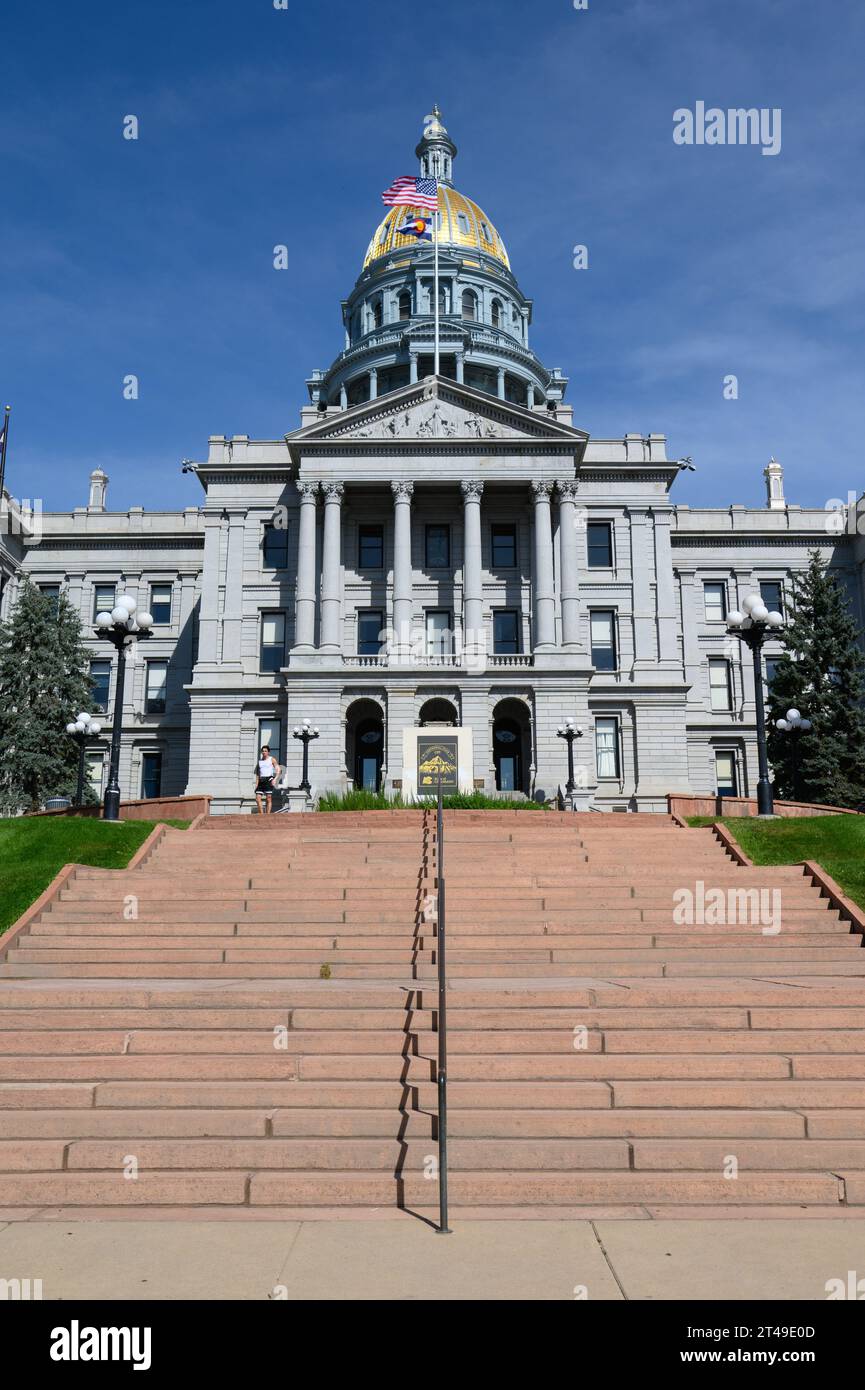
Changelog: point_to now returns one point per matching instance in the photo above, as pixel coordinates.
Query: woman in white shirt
(266, 774)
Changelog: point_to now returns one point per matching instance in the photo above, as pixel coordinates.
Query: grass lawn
(836, 842)
(33, 850)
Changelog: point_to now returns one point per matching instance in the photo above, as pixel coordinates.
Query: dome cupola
(388, 318)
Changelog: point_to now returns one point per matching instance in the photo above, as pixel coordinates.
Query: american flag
(412, 192)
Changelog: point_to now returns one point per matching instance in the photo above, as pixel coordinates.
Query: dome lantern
(436, 150)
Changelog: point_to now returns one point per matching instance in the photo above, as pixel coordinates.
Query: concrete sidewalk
(403, 1260)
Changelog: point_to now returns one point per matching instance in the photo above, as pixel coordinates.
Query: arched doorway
(364, 745)
(511, 746)
(439, 711)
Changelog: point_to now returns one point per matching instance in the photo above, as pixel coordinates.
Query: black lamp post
(305, 734)
(753, 627)
(569, 732)
(82, 730)
(122, 626)
(794, 724)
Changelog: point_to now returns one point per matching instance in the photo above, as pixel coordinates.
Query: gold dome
(463, 224)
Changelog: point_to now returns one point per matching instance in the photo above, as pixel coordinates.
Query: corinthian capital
(308, 491)
(402, 491)
(541, 489)
(333, 491)
(567, 489)
(472, 489)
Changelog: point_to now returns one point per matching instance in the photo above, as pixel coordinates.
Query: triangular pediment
(434, 410)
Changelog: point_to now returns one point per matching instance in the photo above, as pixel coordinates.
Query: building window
(506, 631)
(504, 547)
(103, 599)
(715, 602)
(272, 654)
(463, 223)
(270, 733)
(485, 232)
(377, 313)
(725, 772)
(404, 306)
(599, 535)
(160, 604)
(496, 309)
(439, 632)
(771, 665)
(719, 684)
(772, 594)
(151, 775)
(369, 630)
(157, 677)
(94, 771)
(52, 593)
(603, 626)
(100, 683)
(370, 547)
(470, 306)
(607, 748)
(274, 547)
(438, 547)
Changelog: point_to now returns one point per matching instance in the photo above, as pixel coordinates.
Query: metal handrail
(442, 1068)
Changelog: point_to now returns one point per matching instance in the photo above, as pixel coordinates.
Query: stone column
(208, 621)
(331, 578)
(545, 624)
(461, 376)
(501, 383)
(412, 368)
(373, 383)
(304, 601)
(343, 397)
(402, 568)
(473, 603)
(570, 565)
(232, 617)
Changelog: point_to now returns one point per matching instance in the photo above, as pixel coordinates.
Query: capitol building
(435, 556)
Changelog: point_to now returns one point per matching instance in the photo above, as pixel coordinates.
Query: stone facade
(448, 550)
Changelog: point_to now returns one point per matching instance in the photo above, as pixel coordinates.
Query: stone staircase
(246, 1022)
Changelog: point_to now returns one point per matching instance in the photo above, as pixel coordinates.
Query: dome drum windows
(470, 306)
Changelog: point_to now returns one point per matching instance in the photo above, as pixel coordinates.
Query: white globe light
(103, 620)
(775, 619)
(794, 716)
(759, 613)
(83, 716)
(96, 728)
(735, 619)
(315, 731)
(120, 615)
(751, 602)
(128, 602)
(145, 621)
(805, 725)
(72, 728)
(296, 730)
(781, 724)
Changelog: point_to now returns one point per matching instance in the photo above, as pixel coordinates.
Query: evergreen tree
(44, 683)
(822, 674)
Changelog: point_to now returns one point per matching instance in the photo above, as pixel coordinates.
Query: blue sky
(261, 126)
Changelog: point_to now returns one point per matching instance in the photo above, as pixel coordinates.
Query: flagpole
(3, 452)
(436, 288)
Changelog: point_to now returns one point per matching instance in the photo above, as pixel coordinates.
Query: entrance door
(725, 771)
(507, 756)
(369, 755)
